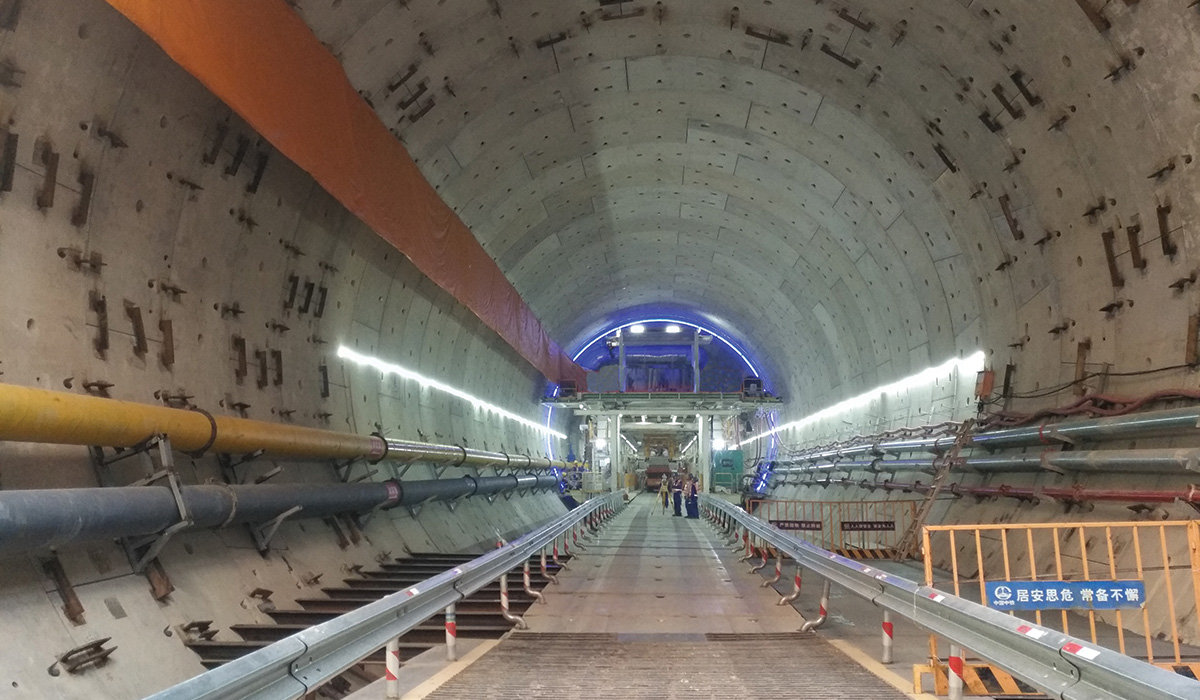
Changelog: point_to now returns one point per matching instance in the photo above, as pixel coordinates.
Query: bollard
(823, 611)
(537, 595)
(393, 668)
(790, 597)
(778, 571)
(546, 574)
(956, 673)
(558, 563)
(749, 548)
(515, 619)
(887, 637)
(451, 634)
(763, 552)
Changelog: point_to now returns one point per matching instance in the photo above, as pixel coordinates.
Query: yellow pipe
(37, 415)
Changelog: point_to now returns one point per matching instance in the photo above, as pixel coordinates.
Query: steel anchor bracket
(90, 654)
(142, 551)
(263, 534)
(229, 465)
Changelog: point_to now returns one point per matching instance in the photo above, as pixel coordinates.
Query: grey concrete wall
(95, 91)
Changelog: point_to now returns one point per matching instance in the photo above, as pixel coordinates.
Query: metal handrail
(1057, 664)
(301, 663)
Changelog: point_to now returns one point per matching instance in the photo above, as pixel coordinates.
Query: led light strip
(346, 353)
(973, 363)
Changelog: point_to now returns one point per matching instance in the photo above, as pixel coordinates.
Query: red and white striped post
(529, 585)
(558, 563)
(956, 672)
(546, 572)
(778, 571)
(790, 597)
(887, 637)
(517, 620)
(392, 659)
(451, 634)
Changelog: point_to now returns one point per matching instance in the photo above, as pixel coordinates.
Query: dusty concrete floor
(649, 577)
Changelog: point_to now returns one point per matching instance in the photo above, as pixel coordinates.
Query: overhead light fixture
(346, 353)
(637, 328)
(674, 329)
(600, 443)
(967, 365)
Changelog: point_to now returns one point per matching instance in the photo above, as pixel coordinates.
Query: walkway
(653, 573)
(651, 610)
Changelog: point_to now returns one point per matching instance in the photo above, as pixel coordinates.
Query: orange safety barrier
(261, 59)
(855, 529)
(1165, 556)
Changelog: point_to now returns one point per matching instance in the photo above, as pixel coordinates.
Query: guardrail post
(887, 637)
(790, 597)
(764, 551)
(956, 672)
(392, 660)
(558, 563)
(545, 573)
(778, 571)
(822, 612)
(515, 619)
(451, 634)
(537, 595)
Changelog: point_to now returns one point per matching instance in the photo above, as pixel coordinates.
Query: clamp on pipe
(212, 438)
(382, 441)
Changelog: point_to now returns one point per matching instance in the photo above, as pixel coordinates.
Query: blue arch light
(689, 324)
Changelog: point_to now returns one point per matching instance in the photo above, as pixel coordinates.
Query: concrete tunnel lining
(826, 236)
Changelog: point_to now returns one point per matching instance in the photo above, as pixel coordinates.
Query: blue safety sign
(1065, 595)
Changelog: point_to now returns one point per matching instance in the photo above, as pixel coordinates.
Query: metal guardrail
(1059, 665)
(301, 663)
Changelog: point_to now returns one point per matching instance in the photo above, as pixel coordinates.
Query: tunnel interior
(896, 216)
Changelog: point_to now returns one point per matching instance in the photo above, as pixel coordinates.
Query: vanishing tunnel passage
(309, 305)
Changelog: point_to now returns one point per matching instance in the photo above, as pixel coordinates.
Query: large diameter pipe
(37, 415)
(1113, 461)
(1190, 494)
(52, 417)
(1156, 461)
(1110, 428)
(36, 519)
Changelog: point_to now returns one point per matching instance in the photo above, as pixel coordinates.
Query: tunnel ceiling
(847, 189)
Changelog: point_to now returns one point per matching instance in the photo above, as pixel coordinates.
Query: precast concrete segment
(261, 60)
(530, 665)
